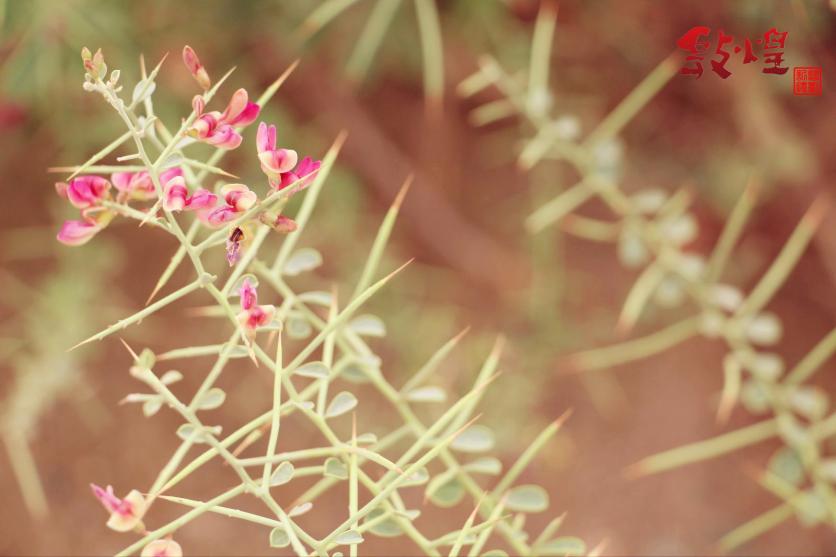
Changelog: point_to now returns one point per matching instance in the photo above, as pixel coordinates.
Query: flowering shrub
(443, 457)
(652, 231)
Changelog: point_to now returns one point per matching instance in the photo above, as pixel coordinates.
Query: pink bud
(162, 548)
(196, 68)
(198, 105)
(265, 139)
(249, 296)
(281, 223)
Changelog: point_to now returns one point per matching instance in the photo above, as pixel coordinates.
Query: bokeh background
(463, 222)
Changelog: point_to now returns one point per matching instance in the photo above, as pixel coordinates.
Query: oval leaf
(475, 439)
(340, 404)
(368, 325)
(349, 538)
(282, 474)
(211, 399)
(303, 260)
(297, 327)
(335, 468)
(427, 394)
(564, 546)
(527, 499)
(279, 537)
(317, 370)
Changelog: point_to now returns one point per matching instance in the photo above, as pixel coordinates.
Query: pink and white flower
(280, 164)
(138, 185)
(303, 174)
(162, 548)
(238, 198)
(125, 514)
(252, 315)
(218, 128)
(177, 196)
(86, 193)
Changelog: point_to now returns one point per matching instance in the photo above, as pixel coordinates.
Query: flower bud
(196, 68)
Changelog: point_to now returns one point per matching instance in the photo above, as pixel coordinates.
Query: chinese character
(774, 57)
(719, 67)
(691, 42)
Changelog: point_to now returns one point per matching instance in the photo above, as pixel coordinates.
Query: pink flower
(303, 174)
(77, 232)
(238, 198)
(196, 68)
(125, 514)
(177, 196)
(84, 191)
(278, 164)
(162, 548)
(138, 185)
(273, 161)
(281, 223)
(252, 315)
(218, 129)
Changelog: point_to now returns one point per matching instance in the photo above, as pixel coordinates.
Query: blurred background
(476, 266)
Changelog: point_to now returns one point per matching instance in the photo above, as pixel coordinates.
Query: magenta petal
(77, 232)
(201, 199)
(221, 215)
(225, 137)
(122, 180)
(247, 116)
(237, 105)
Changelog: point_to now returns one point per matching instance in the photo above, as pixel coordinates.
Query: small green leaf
(349, 537)
(445, 492)
(152, 406)
(303, 260)
(475, 439)
(185, 431)
(282, 474)
(171, 376)
(368, 325)
(340, 404)
(388, 528)
(317, 370)
(486, 465)
(317, 297)
(366, 439)
(419, 477)
(786, 464)
(299, 510)
(335, 468)
(568, 546)
(754, 397)
(527, 499)
(810, 402)
(298, 327)
(143, 89)
(426, 394)
(279, 537)
(211, 399)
